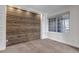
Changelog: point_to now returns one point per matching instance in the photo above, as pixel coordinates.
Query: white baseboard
(68, 43)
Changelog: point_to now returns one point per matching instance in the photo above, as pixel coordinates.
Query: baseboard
(66, 43)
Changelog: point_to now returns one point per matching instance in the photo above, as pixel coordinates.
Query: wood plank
(22, 26)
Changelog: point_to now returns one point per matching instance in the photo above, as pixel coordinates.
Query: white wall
(2, 28)
(44, 25)
(71, 37)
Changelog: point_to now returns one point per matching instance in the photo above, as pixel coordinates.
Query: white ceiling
(49, 9)
(43, 8)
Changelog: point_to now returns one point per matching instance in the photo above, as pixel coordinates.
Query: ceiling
(42, 8)
(49, 9)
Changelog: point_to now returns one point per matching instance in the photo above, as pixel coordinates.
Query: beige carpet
(40, 46)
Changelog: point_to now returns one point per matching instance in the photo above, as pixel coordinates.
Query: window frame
(64, 26)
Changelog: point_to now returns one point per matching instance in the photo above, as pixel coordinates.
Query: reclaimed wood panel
(22, 26)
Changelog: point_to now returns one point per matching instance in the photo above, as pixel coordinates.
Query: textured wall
(22, 26)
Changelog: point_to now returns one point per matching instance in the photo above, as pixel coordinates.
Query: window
(59, 23)
(52, 24)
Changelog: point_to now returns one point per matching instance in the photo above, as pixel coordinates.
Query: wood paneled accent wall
(22, 26)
